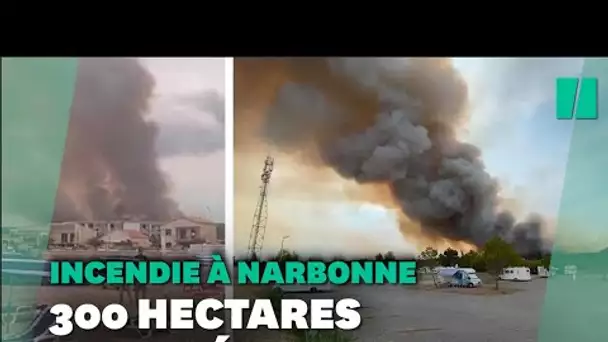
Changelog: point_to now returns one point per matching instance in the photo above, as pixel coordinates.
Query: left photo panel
(106, 161)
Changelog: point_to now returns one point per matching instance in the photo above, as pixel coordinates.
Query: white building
(150, 227)
(101, 227)
(188, 231)
(71, 233)
(79, 233)
(135, 238)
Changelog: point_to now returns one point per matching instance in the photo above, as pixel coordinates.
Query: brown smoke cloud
(110, 167)
(389, 124)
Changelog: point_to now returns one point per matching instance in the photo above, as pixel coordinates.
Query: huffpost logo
(576, 98)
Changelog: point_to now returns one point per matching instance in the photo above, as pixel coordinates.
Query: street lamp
(282, 243)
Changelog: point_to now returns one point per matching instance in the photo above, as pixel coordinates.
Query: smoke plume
(385, 121)
(189, 137)
(110, 167)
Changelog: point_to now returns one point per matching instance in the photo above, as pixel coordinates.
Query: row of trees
(495, 255)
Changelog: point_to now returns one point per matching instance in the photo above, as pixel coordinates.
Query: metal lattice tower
(260, 216)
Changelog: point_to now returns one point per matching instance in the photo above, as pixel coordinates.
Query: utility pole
(282, 243)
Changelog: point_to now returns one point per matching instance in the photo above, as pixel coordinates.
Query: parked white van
(515, 274)
(459, 277)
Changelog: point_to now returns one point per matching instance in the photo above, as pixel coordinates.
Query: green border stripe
(576, 308)
(36, 99)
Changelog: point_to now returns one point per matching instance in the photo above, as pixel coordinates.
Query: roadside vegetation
(495, 255)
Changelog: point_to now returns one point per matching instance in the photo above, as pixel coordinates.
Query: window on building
(168, 245)
(64, 237)
(72, 237)
(182, 234)
(167, 232)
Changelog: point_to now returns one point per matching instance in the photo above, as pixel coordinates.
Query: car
(302, 288)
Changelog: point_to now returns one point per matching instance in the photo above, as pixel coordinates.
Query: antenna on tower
(260, 216)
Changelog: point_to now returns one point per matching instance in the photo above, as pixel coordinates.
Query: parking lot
(400, 313)
(396, 313)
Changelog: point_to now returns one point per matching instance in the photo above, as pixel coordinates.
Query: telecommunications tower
(260, 216)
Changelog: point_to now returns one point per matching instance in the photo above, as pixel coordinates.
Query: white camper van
(515, 274)
(459, 277)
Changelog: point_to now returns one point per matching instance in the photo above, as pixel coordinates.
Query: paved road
(397, 313)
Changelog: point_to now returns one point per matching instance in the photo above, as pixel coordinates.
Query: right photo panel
(456, 163)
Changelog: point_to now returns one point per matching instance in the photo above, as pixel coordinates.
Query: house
(188, 231)
(101, 227)
(151, 228)
(70, 233)
(134, 238)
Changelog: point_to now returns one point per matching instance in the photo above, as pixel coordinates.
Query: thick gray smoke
(190, 137)
(411, 143)
(110, 167)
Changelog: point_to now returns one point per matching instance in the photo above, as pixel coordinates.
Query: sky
(188, 109)
(523, 144)
(191, 140)
(513, 122)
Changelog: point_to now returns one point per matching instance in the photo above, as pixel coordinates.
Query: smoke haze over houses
(141, 132)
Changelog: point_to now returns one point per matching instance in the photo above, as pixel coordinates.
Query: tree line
(495, 255)
(492, 258)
